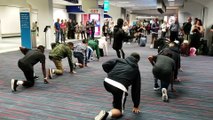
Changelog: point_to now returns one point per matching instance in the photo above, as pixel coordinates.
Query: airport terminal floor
(81, 96)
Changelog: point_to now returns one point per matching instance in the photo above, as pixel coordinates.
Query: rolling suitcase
(142, 41)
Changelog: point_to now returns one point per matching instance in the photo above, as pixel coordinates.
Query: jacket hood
(132, 61)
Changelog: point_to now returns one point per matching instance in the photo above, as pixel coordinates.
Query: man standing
(187, 28)
(26, 64)
(58, 53)
(119, 36)
(154, 28)
(57, 30)
(122, 73)
(174, 30)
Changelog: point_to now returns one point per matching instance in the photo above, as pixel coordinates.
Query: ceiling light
(124, 2)
(171, 0)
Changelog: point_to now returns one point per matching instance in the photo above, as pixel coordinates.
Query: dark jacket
(126, 72)
(175, 56)
(119, 36)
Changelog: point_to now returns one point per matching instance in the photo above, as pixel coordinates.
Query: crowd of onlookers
(73, 30)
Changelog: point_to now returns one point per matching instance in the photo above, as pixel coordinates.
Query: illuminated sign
(106, 5)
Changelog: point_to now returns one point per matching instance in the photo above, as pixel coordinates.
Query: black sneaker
(102, 115)
(50, 74)
(156, 87)
(14, 84)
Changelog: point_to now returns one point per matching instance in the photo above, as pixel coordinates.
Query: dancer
(122, 73)
(26, 64)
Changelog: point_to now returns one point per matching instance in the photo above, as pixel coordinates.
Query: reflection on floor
(9, 44)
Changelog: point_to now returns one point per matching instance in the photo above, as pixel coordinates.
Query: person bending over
(163, 69)
(26, 64)
(56, 55)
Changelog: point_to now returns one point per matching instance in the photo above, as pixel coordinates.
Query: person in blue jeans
(163, 69)
(57, 30)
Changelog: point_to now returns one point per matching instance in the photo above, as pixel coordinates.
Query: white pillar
(45, 18)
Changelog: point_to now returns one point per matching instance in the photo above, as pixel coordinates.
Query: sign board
(106, 5)
(25, 28)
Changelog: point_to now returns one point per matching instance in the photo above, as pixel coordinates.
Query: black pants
(163, 76)
(119, 52)
(173, 36)
(79, 56)
(119, 96)
(28, 72)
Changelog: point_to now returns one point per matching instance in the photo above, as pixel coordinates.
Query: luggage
(184, 48)
(142, 41)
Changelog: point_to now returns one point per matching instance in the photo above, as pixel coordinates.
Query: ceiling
(146, 7)
(139, 7)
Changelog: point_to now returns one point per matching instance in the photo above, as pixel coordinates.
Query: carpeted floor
(81, 96)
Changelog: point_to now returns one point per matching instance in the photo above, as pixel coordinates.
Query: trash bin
(33, 38)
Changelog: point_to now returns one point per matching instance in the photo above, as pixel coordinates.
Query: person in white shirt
(103, 46)
(163, 29)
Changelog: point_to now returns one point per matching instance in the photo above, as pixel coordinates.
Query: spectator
(57, 30)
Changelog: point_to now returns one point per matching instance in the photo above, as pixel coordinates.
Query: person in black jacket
(119, 36)
(122, 73)
(163, 69)
(31, 58)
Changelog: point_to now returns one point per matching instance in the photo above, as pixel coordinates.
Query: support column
(45, 18)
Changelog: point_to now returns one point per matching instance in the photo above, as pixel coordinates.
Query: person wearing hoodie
(119, 36)
(163, 69)
(174, 50)
(122, 73)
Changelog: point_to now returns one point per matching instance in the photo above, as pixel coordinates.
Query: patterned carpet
(81, 96)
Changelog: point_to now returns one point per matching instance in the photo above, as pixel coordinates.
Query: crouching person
(122, 73)
(163, 69)
(26, 64)
(56, 55)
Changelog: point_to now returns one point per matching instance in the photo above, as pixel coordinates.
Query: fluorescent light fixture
(124, 2)
(171, 0)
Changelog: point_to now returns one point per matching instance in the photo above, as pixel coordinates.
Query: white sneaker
(164, 95)
(101, 115)
(14, 84)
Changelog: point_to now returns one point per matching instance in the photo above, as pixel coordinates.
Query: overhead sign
(106, 5)
(25, 28)
(72, 1)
